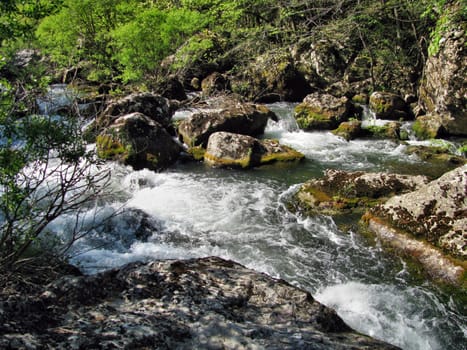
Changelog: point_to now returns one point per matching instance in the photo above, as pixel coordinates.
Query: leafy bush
(143, 43)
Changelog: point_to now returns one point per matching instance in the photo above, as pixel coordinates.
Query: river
(190, 210)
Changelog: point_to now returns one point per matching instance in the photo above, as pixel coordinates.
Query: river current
(190, 211)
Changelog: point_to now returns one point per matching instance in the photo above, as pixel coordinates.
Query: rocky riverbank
(205, 303)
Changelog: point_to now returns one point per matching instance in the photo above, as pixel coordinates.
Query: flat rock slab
(204, 303)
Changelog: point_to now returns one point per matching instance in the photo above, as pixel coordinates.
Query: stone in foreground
(205, 303)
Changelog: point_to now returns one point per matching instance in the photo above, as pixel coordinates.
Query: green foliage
(18, 18)
(154, 34)
(81, 30)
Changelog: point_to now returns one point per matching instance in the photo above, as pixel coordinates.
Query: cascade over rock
(137, 140)
(241, 151)
(241, 118)
(443, 91)
(206, 303)
(341, 191)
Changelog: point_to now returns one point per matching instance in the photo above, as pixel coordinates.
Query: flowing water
(193, 211)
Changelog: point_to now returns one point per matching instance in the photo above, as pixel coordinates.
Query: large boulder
(436, 214)
(322, 112)
(387, 105)
(241, 118)
(443, 91)
(241, 151)
(154, 106)
(137, 140)
(206, 303)
(343, 192)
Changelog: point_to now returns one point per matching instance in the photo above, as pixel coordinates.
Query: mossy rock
(389, 106)
(391, 130)
(438, 155)
(341, 192)
(349, 130)
(322, 112)
(229, 150)
(136, 140)
(428, 127)
(111, 147)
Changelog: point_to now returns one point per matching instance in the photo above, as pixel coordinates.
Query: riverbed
(191, 210)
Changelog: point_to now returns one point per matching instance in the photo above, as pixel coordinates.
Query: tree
(45, 173)
(154, 34)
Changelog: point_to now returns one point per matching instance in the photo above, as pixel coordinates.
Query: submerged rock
(241, 151)
(341, 191)
(241, 118)
(206, 303)
(440, 156)
(139, 141)
(322, 112)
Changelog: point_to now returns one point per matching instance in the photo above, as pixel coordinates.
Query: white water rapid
(193, 211)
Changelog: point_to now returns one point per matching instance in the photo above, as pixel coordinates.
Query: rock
(241, 151)
(154, 106)
(215, 83)
(322, 112)
(435, 213)
(439, 156)
(391, 130)
(342, 192)
(349, 130)
(206, 303)
(389, 106)
(241, 118)
(172, 89)
(272, 75)
(428, 127)
(323, 62)
(139, 141)
(443, 92)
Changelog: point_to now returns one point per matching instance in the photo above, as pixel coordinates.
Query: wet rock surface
(322, 112)
(139, 141)
(241, 118)
(340, 191)
(205, 303)
(436, 212)
(389, 106)
(154, 106)
(242, 151)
